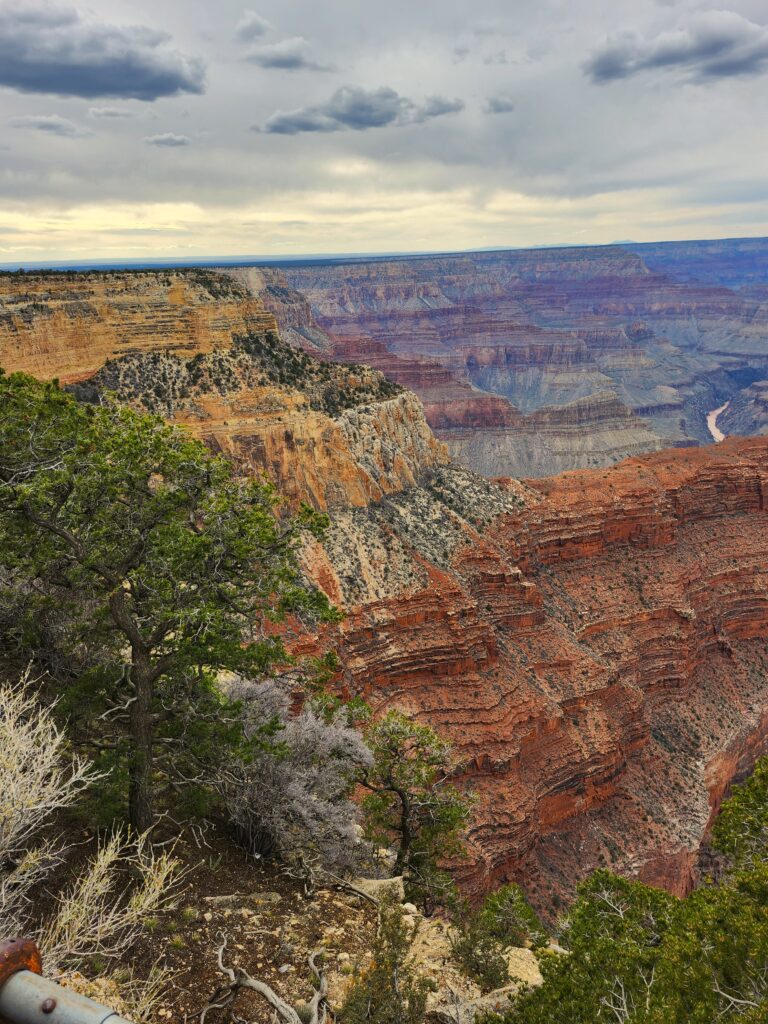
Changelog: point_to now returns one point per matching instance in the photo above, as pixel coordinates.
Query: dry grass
(99, 915)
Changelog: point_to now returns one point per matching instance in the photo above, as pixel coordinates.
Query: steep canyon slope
(595, 645)
(533, 362)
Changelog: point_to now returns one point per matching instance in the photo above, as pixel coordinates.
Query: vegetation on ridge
(146, 582)
(410, 798)
(163, 382)
(389, 990)
(332, 387)
(99, 914)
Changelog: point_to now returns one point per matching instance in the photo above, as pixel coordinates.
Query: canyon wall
(596, 649)
(66, 325)
(747, 413)
(595, 645)
(488, 340)
(592, 431)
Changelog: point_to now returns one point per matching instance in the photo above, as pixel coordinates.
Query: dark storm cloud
(51, 124)
(287, 54)
(251, 26)
(499, 105)
(169, 139)
(352, 108)
(48, 49)
(712, 45)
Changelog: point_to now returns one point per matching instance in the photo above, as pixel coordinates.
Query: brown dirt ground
(270, 923)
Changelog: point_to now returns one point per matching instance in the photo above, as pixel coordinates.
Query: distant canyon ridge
(529, 363)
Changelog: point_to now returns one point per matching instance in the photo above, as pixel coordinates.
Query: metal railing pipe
(26, 997)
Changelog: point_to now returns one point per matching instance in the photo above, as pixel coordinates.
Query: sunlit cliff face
(137, 130)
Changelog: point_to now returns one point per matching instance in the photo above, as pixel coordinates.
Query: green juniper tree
(478, 952)
(741, 829)
(483, 937)
(138, 566)
(411, 801)
(509, 918)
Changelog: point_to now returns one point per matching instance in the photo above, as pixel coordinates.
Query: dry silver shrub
(37, 780)
(97, 914)
(293, 802)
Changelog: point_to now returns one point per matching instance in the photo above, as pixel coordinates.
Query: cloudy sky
(185, 128)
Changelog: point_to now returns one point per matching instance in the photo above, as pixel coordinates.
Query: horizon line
(168, 262)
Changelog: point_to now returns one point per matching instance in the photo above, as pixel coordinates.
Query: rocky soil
(271, 925)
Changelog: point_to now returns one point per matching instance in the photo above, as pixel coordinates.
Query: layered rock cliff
(595, 645)
(485, 431)
(292, 309)
(594, 431)
(517, 332)
(596, 649)
(747, 413)
(67, 325)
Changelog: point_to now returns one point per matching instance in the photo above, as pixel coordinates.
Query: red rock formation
(449, 402)
(595, 645)
(600, 660)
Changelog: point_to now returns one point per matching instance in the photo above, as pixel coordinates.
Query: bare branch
(224, 997)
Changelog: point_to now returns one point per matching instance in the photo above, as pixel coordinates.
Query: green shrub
(508, 917)
(388, 990)
(411, 804)
(480, 954)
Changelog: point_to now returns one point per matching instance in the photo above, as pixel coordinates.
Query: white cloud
(499, 105)
(109, 113)
(707, 46)
(169, 139)
(50, 124)
(49, 49)
(352, 108)
(251, 26)
(288, 54)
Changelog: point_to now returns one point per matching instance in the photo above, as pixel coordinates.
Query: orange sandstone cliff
(595, 644)
(67, 325)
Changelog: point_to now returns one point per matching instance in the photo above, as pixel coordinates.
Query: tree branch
(239, 979)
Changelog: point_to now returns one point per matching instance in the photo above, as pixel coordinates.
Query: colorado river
(714, 430)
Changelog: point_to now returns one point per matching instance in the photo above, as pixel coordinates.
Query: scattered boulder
(378, 887)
